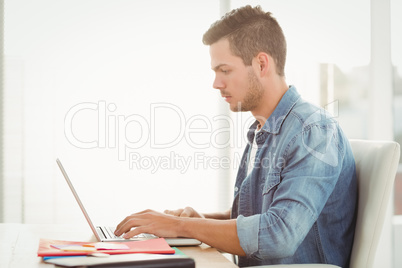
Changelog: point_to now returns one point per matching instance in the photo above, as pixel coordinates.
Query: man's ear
(263, 61)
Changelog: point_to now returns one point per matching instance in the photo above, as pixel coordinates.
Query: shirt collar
(285, 105)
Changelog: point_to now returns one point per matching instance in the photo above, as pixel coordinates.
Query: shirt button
(236, 189)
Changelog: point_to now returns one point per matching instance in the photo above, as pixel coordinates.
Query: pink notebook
(157, 246)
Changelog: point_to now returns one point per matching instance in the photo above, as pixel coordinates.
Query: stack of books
(149, 253)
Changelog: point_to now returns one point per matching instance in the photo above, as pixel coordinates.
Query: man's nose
(218, 83)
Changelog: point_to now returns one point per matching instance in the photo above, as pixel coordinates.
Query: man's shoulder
(307, 123)
(306, 115)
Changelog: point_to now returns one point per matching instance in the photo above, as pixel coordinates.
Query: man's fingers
(132, 221)
(118, 230)
(133, 232)
(169, 212)
(187, 212)
(190, 212)
(148, 222)
(126, 225)
(176, 212)
(184, 212)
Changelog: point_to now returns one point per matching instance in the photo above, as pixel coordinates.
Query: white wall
(129, 56)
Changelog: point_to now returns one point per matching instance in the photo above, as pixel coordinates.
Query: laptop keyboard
(110, 234)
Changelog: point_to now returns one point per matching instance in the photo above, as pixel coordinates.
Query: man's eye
(224, 71)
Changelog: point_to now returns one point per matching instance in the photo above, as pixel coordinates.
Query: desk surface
(19, 244)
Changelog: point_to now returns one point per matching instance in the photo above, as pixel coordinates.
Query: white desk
(19, 245)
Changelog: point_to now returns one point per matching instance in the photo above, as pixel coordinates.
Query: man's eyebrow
(218, 66)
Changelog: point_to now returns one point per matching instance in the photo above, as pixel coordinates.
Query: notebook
(105, 233)
(127, 260)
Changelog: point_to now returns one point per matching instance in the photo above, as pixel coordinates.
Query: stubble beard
(253, 96)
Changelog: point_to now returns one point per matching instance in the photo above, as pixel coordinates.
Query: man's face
(237, 82)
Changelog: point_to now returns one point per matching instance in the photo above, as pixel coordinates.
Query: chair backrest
(376, 165)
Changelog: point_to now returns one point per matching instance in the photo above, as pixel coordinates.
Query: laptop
(106, 233)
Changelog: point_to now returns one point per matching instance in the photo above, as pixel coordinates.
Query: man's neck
(271, 98)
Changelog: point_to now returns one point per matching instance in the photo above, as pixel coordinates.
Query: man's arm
(192, 213)
(218, 215)
(221, 234)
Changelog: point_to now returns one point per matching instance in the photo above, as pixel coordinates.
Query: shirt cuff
(247, 231)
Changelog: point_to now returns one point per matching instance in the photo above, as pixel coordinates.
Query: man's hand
(185, 212)
(215, 229)
(148, 221)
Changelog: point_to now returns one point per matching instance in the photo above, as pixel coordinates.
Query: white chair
(376, 165)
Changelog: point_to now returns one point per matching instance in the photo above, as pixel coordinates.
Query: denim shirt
(298, 203)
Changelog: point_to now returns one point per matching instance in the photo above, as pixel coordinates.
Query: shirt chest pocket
(271, 182)
(269, 187)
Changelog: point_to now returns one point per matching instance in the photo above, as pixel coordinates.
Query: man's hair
(250, 31)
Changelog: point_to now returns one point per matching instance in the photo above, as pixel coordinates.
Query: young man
(295, 193)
